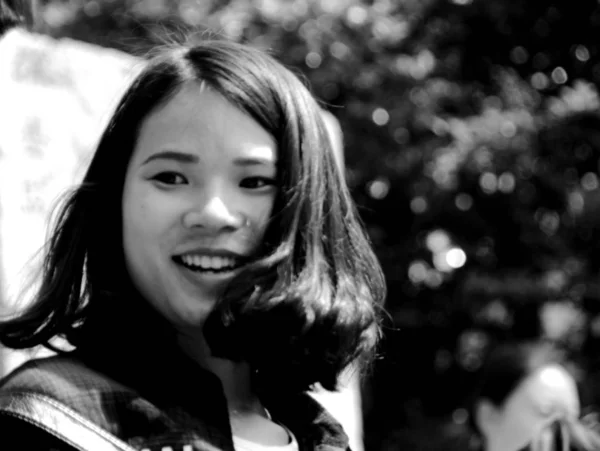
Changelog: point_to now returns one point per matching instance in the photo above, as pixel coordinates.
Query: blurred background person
(526, 399)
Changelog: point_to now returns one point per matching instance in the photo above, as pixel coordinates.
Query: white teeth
(208, 262)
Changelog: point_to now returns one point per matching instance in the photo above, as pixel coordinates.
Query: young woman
(207, 272)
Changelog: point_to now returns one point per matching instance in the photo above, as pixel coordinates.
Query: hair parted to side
(305, 309)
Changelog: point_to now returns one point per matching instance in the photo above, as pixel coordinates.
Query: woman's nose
(213, 215)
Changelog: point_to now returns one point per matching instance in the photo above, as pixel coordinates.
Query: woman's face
(197, 198)
(546, 395)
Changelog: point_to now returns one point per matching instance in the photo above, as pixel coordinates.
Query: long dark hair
(301, 313)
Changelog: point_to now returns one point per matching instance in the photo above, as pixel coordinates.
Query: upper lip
(212, 252)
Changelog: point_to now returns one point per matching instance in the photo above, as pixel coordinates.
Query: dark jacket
(64, 403)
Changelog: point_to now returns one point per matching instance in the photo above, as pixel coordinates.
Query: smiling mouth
(205, 263)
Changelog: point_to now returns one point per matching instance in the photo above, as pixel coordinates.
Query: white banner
(55, 99)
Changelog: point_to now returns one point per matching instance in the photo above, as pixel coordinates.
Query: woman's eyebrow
(181, 157)
(254, 161)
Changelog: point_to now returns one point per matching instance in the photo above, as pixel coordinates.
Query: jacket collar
(170, 379)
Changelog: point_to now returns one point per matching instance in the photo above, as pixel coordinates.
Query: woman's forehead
(197, 118)
(550, 389)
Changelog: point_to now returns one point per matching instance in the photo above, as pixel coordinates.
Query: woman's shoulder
(67, 380)
(23, 435)
(71, 400)
(59, 400)
(61, 376)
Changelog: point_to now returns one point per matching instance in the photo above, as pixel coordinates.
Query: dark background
(472, 138)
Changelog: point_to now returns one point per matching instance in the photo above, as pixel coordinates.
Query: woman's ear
(485, 415)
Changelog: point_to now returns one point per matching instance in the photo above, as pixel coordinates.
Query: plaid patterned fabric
(181, 408)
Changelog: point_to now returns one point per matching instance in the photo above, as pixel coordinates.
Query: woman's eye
(257, 182)
(169, 178)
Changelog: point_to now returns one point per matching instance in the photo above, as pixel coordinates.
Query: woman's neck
(235, 377)
(249, 419)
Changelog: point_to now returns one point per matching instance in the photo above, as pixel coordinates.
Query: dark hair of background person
(574, 435)
(14, 13)
(304, 310)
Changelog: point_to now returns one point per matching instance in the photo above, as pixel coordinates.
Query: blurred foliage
(472, 141)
